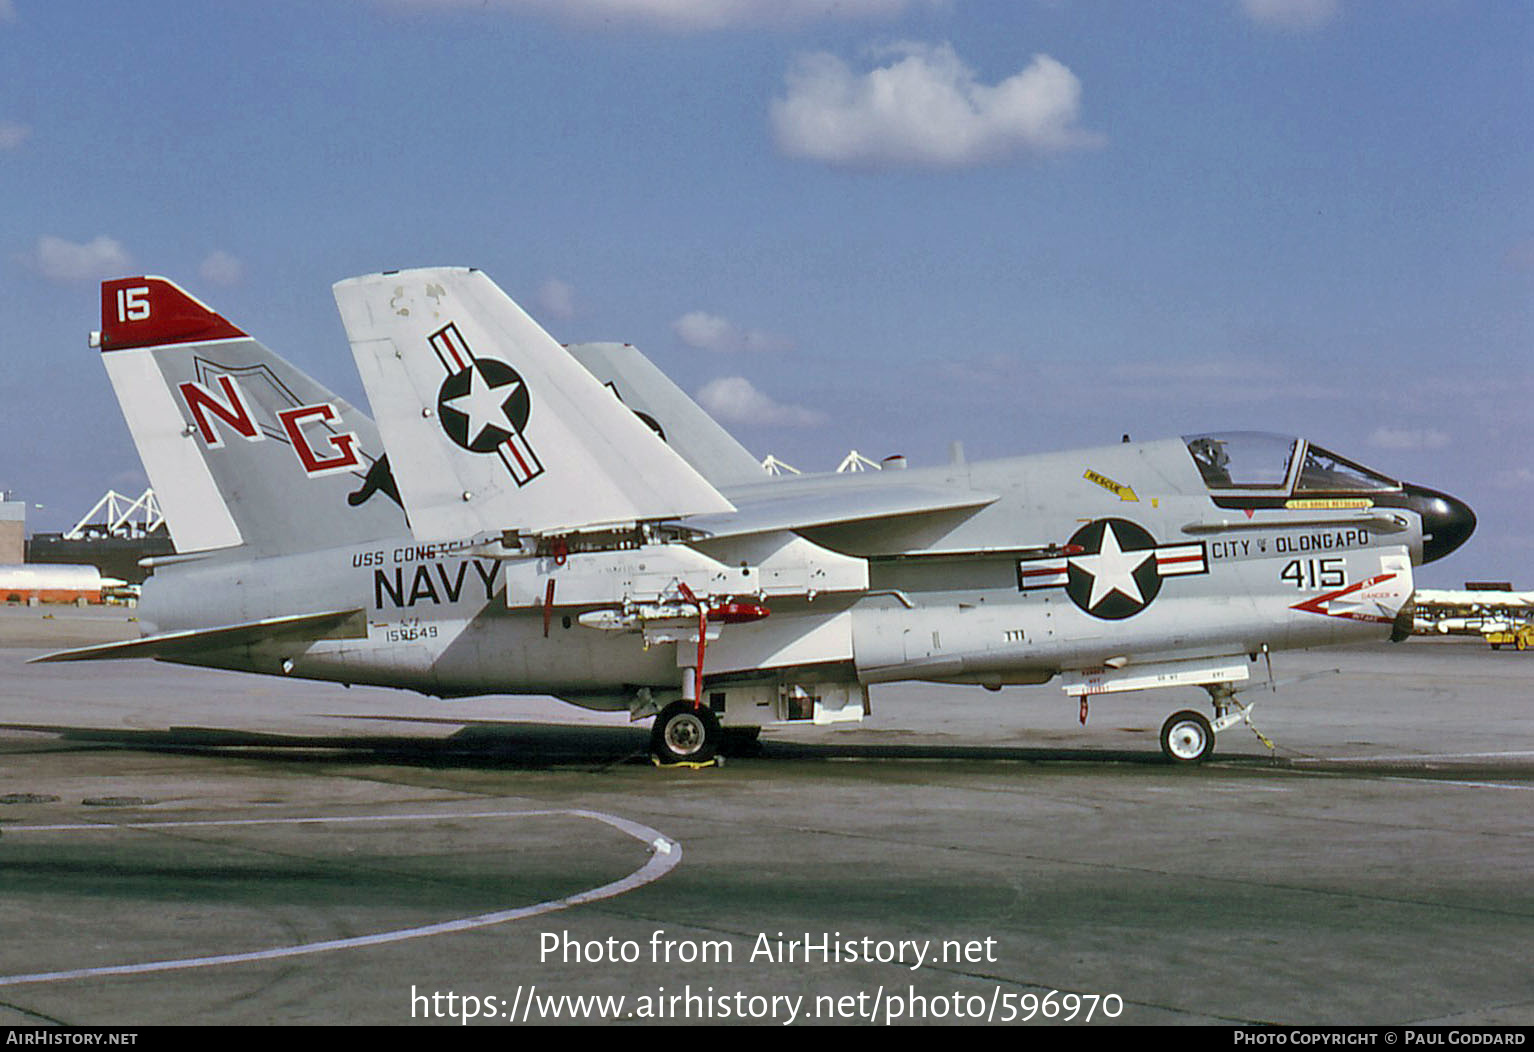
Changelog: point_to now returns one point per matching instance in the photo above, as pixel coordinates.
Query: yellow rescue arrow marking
(1120, 490)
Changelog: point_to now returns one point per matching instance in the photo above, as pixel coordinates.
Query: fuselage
(1117, 558)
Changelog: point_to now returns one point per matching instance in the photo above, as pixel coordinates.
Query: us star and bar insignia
(484, 405)
(1112, 568)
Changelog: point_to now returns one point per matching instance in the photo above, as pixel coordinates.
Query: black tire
(1187, 737)
(685, 733)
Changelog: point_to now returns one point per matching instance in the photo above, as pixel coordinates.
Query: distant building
(13, 530)
(113, 556)
(113, 536)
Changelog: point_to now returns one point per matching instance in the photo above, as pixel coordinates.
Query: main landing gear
(685, 733)
(1188, 737)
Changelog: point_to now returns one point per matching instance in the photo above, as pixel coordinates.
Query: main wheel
(685, 733)
(1187, 737)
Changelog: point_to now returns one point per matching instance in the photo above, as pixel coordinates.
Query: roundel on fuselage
(1115, 574)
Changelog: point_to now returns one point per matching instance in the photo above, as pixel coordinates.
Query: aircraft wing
(666, 410)
(768, 512)
(193, 641)
(491, 425)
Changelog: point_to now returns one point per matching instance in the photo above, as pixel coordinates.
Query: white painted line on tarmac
(665, 855)
(1513, 786)
(1417, 780)
(1418, 756)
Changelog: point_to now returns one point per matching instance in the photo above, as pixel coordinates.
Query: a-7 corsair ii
(526, 519)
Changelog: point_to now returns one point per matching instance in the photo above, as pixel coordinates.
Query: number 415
(1316, 573)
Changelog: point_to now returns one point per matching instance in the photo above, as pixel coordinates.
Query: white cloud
(221, 268)
(7, 11)
(1408, 438)
(732, 400)
(688, 15)
(1514, 478)
(61, 260)
(13, 134)
(926, 108)
(1291, 14)
(557, 298)
(709, 332)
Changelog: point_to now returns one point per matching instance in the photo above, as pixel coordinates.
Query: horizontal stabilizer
(333, 624)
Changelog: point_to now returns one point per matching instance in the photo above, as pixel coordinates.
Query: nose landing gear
(1187, 737)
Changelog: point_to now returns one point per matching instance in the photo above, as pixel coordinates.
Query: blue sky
(881, 224)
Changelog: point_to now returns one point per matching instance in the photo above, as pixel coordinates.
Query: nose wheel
(1187, 737)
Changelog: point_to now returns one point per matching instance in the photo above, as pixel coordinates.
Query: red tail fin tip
(151, 311)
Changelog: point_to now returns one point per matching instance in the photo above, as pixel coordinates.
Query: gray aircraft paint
(980, 572)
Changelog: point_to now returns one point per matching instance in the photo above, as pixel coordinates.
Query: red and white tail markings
(343, 444)
(523, 463)
(451, 348)
(235, 412)
(153, 312)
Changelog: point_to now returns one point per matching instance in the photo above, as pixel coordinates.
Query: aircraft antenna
(855, 461)
(773, 466)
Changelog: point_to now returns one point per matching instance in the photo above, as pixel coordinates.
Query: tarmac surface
(187, 846)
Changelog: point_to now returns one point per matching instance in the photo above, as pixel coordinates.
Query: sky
(886, 225)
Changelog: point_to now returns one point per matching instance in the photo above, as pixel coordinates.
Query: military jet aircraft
(530, 519)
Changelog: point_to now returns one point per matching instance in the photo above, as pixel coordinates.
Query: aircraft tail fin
(491, 425)
(665, 408)
(241, 447)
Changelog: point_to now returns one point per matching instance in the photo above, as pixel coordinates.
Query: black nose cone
(1446, 522)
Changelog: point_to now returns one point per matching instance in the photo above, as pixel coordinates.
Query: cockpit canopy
(1260, 460)
(1253, 470)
